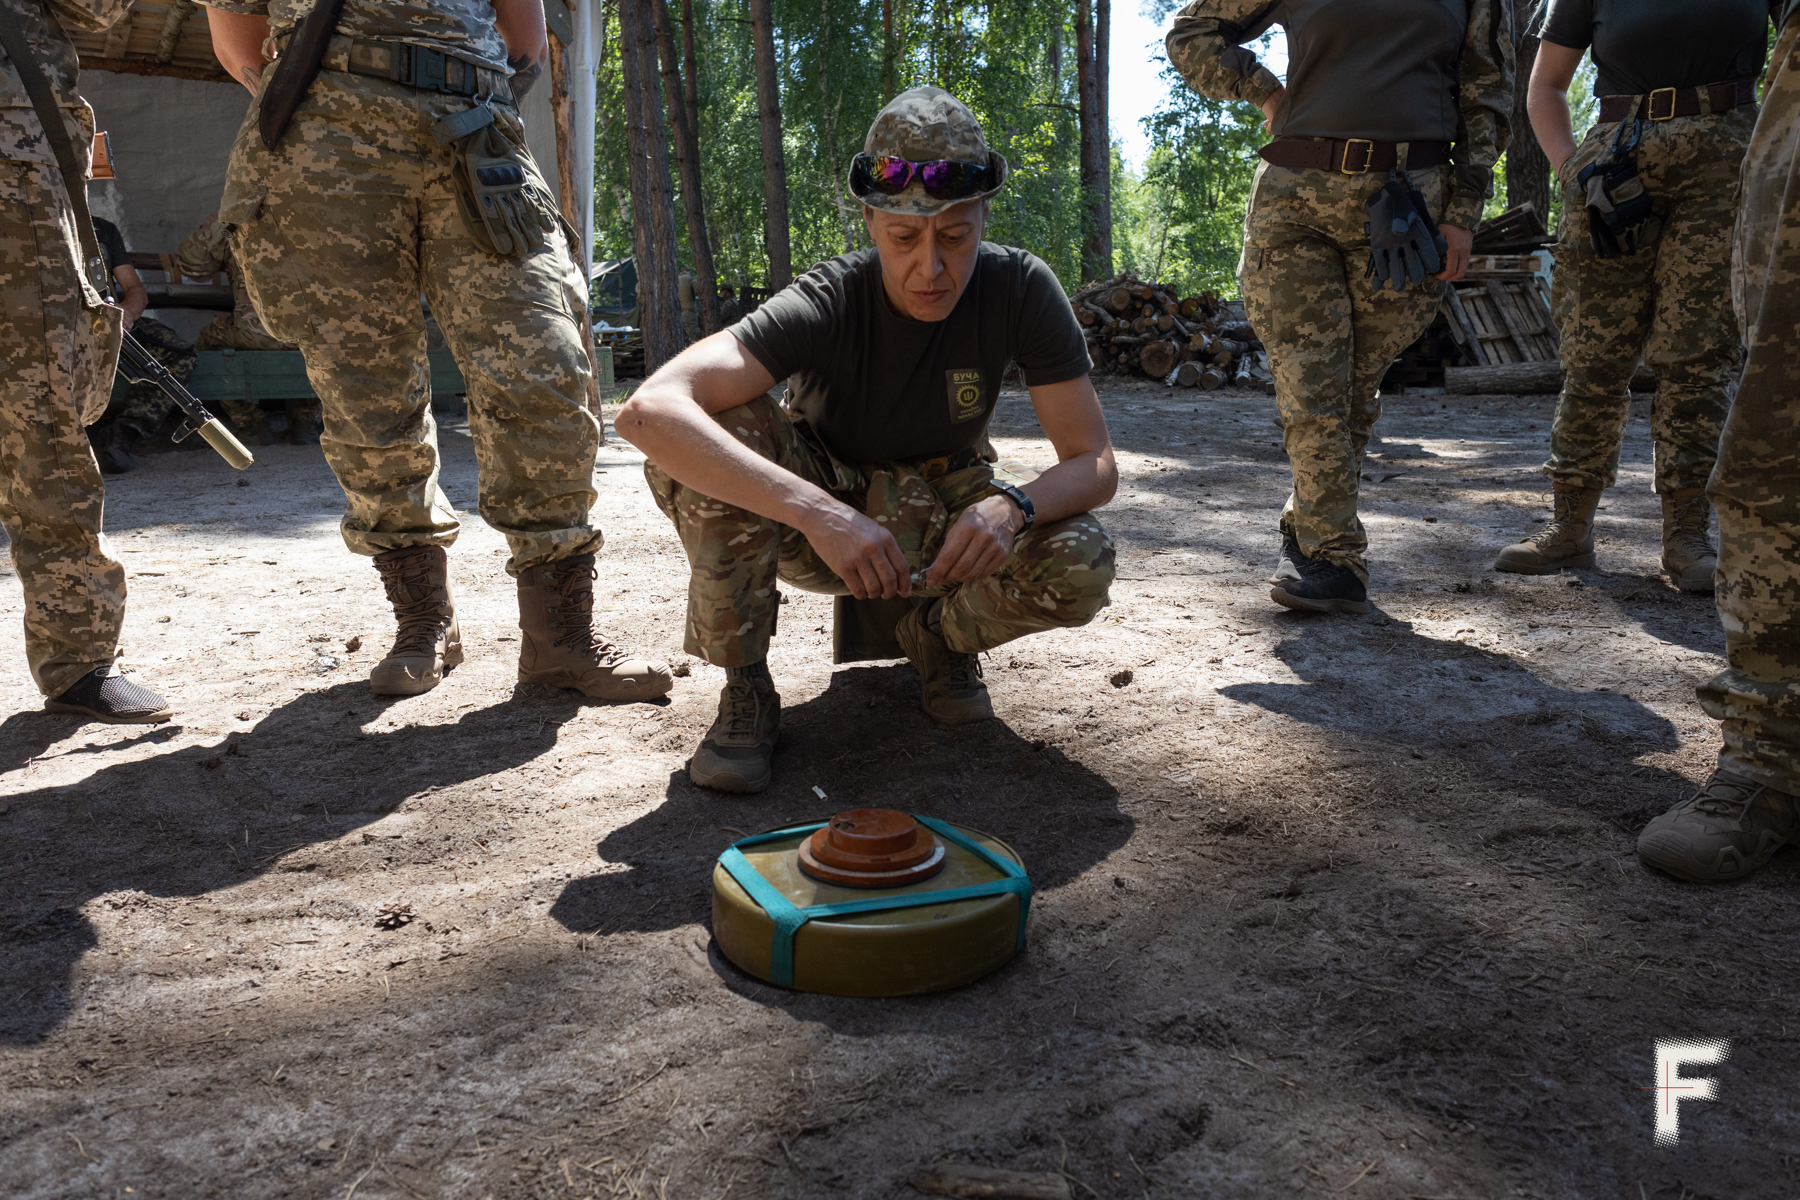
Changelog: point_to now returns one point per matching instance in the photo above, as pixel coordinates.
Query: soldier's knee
(755, 424)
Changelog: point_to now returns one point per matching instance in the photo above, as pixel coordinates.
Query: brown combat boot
(428, 643)
(1731, 828)
(738, 752)
(559, 646)
(1688, 554)
(954, 693)
(1566, 542)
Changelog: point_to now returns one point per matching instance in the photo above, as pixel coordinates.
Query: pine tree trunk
(659, 312)
(1527, 170)
(887, 51)
(687, 154)
(1103, 99)
(768, 102)
(1096, 248)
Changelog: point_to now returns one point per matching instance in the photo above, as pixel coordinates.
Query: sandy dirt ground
(1327, 906)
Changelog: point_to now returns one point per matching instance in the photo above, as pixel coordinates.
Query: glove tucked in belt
(1404, 243)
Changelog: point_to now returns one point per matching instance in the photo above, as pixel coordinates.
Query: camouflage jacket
(21, 134)
(1205, 45)
(464, 28)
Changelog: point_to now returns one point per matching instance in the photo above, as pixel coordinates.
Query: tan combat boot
(429, 643)
(954, 693)
(559, 646)
(1731, 828)
(1688, 554)
(738, 752)
(1566, 542)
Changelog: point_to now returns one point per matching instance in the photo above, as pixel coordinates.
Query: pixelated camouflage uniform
(204, 254)
(1056, 577)
(1329, 335)
(341, 227)
(58, 345)
(143, 406)
(1667, 303)
(1755, 486)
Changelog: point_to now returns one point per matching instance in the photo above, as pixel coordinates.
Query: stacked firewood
(1138, 328)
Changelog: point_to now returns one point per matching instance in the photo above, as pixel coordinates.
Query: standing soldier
(1643, 258)
(1388, 123)
(402, 168)
(1751, 806)
(59, 342)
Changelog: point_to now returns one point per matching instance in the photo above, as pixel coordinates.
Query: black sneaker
(104, 694)
(1293, 563)
(1324, 586)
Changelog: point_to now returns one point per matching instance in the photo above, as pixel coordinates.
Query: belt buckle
(934, 468)
(1368, 158)
(428, 69)
(1650, 104)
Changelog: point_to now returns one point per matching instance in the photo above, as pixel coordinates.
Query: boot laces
(1561, 524)
(1722, 798)
(739, 706)
(575, 592)
(1690, 527)
(962, 672)
(414, 593)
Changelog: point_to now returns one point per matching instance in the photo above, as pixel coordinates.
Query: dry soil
(1327, 906)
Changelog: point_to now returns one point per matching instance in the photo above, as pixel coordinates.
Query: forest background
(732, 126)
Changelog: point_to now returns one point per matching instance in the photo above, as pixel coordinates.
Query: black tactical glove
(1404, 243)
(1617, 204)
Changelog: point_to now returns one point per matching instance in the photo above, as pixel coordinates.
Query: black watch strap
(1018, 497)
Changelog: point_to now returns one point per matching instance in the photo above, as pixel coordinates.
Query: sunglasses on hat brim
(942, 178)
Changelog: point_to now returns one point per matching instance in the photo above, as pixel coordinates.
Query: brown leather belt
(1665, 104)
(1356, 156)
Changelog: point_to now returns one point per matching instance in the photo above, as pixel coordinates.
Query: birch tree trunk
(687, 154)
(768, 102)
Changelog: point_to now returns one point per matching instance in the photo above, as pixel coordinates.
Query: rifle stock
(137, 365)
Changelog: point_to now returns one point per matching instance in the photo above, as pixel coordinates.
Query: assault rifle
(137, 366)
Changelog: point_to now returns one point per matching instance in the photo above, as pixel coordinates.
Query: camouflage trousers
(1756, 485)
(1056, 577)
(58, 344)
(337, 232)
(144, 406)
(1329, 335)
(230, 332)
(1667, 304)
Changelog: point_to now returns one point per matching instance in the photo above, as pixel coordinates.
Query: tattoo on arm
(525, 73)
(252, 80)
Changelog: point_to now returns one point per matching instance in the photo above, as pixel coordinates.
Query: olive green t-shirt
(1642, 45)
(876, 385)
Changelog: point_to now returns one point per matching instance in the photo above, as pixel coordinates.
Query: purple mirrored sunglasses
(943, 178)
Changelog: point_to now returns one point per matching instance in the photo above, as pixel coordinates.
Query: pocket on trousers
(95, 361)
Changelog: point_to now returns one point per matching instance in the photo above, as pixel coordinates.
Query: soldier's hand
(862, 554)
(1462, 243)
(978, 543)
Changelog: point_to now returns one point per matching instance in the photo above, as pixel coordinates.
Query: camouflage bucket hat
(925, 124)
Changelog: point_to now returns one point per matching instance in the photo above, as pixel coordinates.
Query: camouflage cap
(923, 125)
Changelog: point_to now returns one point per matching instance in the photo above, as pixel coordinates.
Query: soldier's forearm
(1203, 46)
(237, 40)
(520, 24)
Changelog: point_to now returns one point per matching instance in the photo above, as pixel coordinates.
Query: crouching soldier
(875, 467)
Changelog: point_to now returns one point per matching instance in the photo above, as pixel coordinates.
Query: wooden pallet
(1502, 318)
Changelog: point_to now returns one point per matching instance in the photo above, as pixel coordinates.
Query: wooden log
(1523, 379)
(1157, 358)
(1188, 374)
(1118, 300)
(1165, 323)
(1212, 378)
(1190, 307)
(1143, 325)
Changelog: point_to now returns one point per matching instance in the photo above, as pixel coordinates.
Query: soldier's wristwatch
(1019, 498)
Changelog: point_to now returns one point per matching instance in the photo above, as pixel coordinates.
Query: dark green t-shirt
(1642, 45)
(112, 244)
(876, 385)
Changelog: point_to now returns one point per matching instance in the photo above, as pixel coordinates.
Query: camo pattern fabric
(144, 405)
(1668, 303)
(1203, 44)
(337, 232)
(206, 253)
(1329, 335)
(1755, 487)
(43, 23)
(1056, 577)
(56, 362)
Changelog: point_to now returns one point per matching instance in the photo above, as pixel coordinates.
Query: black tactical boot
(1324, 586)
(739, 750)
(428, 643)
(1288, 570)
(105, 694)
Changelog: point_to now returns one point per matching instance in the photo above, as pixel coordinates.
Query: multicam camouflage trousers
(1667, 303)
(58, 344)
(1756, 485)
(1056, 577)
(144, 406)
(337, 232)
(1330, 337)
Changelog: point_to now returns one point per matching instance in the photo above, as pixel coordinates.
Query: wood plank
(1518, 336)
(1462, 318)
